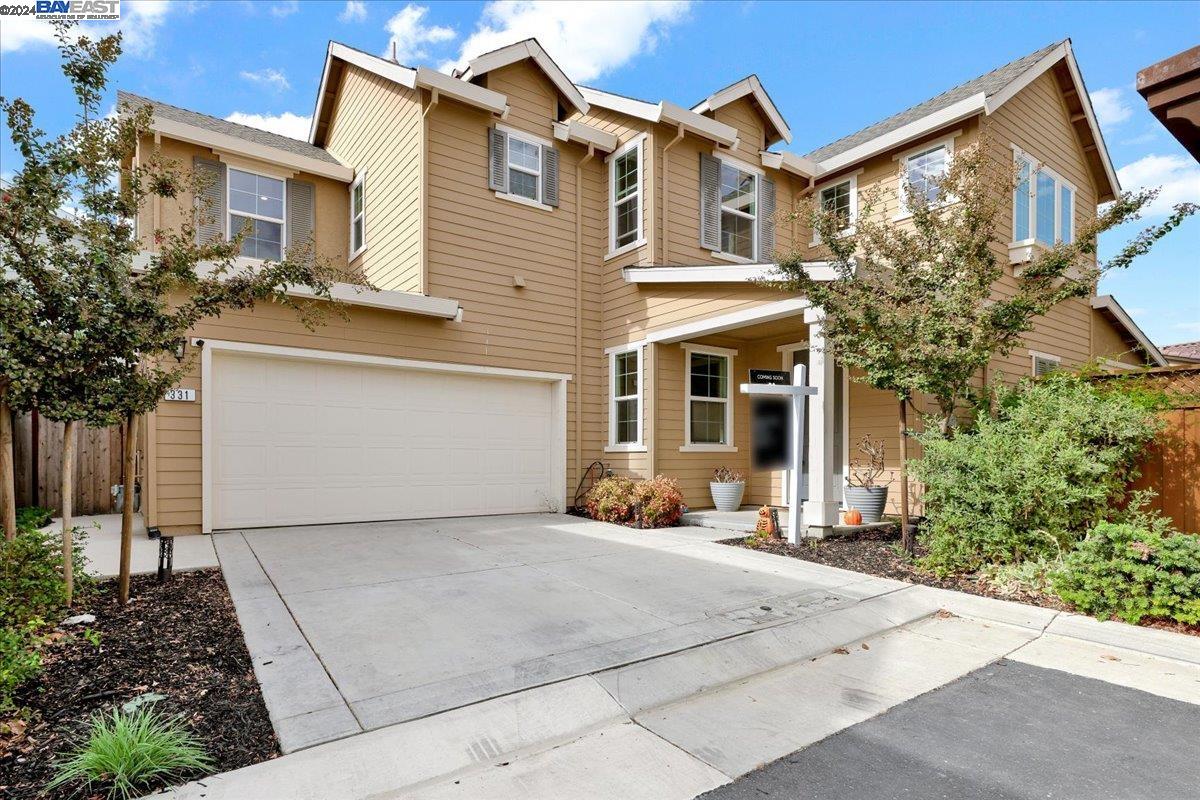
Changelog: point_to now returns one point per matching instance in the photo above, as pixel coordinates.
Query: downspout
(666, 199)
(591, 152)
(433, 101)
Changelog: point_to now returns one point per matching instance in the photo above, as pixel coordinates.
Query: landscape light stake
(166, 557)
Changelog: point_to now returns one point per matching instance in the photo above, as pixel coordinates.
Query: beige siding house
(559, 276)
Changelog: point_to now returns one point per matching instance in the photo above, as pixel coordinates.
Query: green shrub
(1131, 570)
(20, 658)
(124, 750)
(653, 503)
(658, 502)
(34, 517)
(1029, 482)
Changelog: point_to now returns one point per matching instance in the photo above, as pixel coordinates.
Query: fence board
(96, 466)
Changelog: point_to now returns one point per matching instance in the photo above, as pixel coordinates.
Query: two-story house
(562, 275)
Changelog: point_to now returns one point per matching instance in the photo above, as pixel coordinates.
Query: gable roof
(1107, 305)
(212, 131)
(981, 95)
(531, 49)
(750, 85)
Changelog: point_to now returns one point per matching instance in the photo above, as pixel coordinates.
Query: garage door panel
(298, 442)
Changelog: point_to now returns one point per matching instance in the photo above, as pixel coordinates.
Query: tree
(915, 304)
(111, 353)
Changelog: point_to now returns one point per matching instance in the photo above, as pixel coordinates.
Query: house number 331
(186, 395)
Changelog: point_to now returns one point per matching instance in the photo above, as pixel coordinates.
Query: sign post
(799, 393)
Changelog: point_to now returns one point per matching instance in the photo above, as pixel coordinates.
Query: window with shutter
(739, 211)
(710, 202)
(210, 200)
(523, 168)
(256, 209)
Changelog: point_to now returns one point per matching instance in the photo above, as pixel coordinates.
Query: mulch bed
(180, 639)
(878, 552)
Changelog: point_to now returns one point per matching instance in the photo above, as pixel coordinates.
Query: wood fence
(1171, 465)
(38, 456)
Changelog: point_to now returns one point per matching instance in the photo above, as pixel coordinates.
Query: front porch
(698, 420)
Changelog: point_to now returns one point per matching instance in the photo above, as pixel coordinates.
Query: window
(922, 172)
(708, 405)
(841, 200)
(1043, 363)
(524, 168)
(256, 204)
(625, 412)
(358, 231)
(739, 211)
(1043, 204)
(625, 212)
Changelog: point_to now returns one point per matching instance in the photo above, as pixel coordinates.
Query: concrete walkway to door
(355, 627)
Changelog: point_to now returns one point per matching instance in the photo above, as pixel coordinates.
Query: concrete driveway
(354, 627)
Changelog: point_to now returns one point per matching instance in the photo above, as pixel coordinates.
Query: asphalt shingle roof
(218, 125)
(1182, 350)
(989, 84)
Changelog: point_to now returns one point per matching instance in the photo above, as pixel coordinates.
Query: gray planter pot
(727, 496)
(868, 500)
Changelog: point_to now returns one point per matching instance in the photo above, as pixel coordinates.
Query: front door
(794, 356)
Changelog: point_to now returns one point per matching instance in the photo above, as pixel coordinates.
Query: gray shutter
(766, 219)
(210, 200)
(497, 160)
(301, 202)
(549, 176)
(710, 202)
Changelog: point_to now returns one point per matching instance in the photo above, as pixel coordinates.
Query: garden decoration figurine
(863, 492)
(767, 525)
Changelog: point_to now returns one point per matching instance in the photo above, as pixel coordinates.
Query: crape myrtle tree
(918, 306)
(96, 324)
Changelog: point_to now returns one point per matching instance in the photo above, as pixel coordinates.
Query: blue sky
(830, 67)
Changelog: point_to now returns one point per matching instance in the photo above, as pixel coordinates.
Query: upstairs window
(358, 240)
(1043, 204)
(625, 210)
(840, 200)
(923, 172)
(524, 168)
(739, 211)
(256, 204)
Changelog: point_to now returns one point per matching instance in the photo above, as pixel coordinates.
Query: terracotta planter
(869, 500)
(727, 496)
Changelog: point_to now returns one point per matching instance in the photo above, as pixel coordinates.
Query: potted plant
(726, 487)
(863, 491)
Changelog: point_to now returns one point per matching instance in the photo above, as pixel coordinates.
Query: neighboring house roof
(1107, 305)
(982, 95)
(1171, 89)
(750, 85)
(1184, 351)
(531, 49)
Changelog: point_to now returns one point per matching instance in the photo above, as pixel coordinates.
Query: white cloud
(1189, 327)
(355, 11)
(285, 124)
(285, 9)
(586, 39)
(273, 78)
(140, 21)
(408, 33)
(1178, 176)
(1110, 106)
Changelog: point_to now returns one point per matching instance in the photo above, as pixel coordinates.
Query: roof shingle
(218, 125)
(1188, 350)
(989, 84)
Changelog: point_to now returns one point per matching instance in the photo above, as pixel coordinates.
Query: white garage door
(298, 441)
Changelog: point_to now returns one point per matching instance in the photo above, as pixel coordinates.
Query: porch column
(821, 506)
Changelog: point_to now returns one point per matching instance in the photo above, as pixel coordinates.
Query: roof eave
(1109, 305)
(749, 85)
(530, 48)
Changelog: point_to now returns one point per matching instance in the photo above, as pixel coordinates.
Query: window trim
(541, 144)
(358, 181)
(906, 156)
(758, 174)
(1036, 166)
(703, 447)
(229, 212)
(851, 179)
(640, 239)
(639, 445)
(1034, 355)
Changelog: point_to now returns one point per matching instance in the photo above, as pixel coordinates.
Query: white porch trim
(721, 273)
(558, 444)
(821, 506)
(766, 312)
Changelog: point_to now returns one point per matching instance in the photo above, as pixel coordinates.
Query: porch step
(742, 520)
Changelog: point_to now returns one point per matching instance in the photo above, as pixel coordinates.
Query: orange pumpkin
(852, 516)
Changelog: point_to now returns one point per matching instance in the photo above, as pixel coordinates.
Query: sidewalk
(684, 723)
(102, 547)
